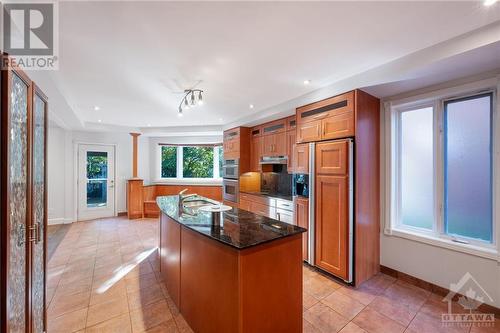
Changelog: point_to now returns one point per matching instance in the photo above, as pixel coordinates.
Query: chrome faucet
(183, 197)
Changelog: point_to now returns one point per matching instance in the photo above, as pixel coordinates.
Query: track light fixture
(191, 98)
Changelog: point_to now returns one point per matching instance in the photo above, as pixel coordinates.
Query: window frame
(391, 164)
(180, 165)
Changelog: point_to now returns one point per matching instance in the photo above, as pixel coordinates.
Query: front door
(96, 181)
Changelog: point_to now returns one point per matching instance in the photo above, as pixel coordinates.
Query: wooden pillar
(135, 201)
(134, 154)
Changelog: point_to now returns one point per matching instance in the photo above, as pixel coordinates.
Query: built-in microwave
(230, 169)
(230, 190)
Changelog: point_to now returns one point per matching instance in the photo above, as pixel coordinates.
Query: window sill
(194, 181)
(479, 251)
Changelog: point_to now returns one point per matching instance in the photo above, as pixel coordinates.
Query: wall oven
(230, 190)
(230, 169)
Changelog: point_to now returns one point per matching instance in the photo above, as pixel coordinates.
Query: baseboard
(59, 220)
(122, 213)
(485, 308)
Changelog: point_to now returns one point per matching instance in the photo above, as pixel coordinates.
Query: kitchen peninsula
(237, 272)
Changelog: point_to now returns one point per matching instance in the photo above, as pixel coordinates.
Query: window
(443, 163)
(191, 162)
(467, 167)
(417, 165)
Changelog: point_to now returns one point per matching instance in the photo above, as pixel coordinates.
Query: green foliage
(198, 162)
(97, 165)
(168, 162)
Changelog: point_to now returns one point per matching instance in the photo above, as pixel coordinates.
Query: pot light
(488, 3)
(149, 125)
(251, 106)
(306, 82)
(96, 108)
(99, 120)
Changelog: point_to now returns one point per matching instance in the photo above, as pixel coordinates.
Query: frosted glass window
(468, 167)
(416, 168)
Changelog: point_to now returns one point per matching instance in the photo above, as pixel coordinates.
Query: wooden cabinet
(332, 225)
(279, 209)
(302, 220)
(274, 144)
(291, 123)
(327, 119)
(236, 145)
(290, 144)
(245, 204)
(274, 127)
(332, 158)
(170, 256)
(301, 158)
(255, 153)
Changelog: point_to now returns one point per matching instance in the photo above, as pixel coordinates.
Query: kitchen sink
(193, 204)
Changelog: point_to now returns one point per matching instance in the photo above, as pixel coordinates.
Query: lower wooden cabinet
(278, 209)
(302, 220)
(331, 231)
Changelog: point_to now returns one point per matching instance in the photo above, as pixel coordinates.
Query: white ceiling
(132, 58)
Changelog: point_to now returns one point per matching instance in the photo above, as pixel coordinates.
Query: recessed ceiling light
(489, 2)
(99, 121)
(149, 125)
(96, 108)
(251, 106)
(306, 82)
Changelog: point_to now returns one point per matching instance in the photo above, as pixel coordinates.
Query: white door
(96, 181)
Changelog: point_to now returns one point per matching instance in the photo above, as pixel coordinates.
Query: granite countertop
(271, 195)
(238, 228)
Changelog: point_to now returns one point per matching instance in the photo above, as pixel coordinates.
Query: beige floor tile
(307, 327)
(423, 323)
(150, 316)
(374, 322)
(320, 286)
(325, 319)
(362, 294)
(107, 310)
(145, 296)
(308, 300)
(143, 281)
(69, 322)
(352, 328)
(68, 303)
(101, 295)
(343, 304)
(120, 324)
(166, 327)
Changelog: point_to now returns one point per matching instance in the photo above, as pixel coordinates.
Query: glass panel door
(96, 182)
(17, 203)
(38, 211)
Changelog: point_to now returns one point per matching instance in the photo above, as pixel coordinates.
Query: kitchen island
(233, 272)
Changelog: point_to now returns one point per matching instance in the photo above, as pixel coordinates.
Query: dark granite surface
(238, 228)
(271, 195)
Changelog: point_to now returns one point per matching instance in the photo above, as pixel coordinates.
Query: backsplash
(276, 182)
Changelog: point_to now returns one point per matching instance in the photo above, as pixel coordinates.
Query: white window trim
(179, 180)
(392, 110)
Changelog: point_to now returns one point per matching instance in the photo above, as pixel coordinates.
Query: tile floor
(104, 277)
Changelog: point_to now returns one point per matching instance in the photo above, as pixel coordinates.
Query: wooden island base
(218, 288)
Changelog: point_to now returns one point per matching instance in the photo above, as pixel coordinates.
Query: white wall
(61, 150)
(432, 263)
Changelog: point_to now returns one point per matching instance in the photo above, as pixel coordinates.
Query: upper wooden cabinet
(301, 158)
(236, 145)
(274, 144)
(331, 118)
(273, 127)
(291, 123)
(255, 153)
